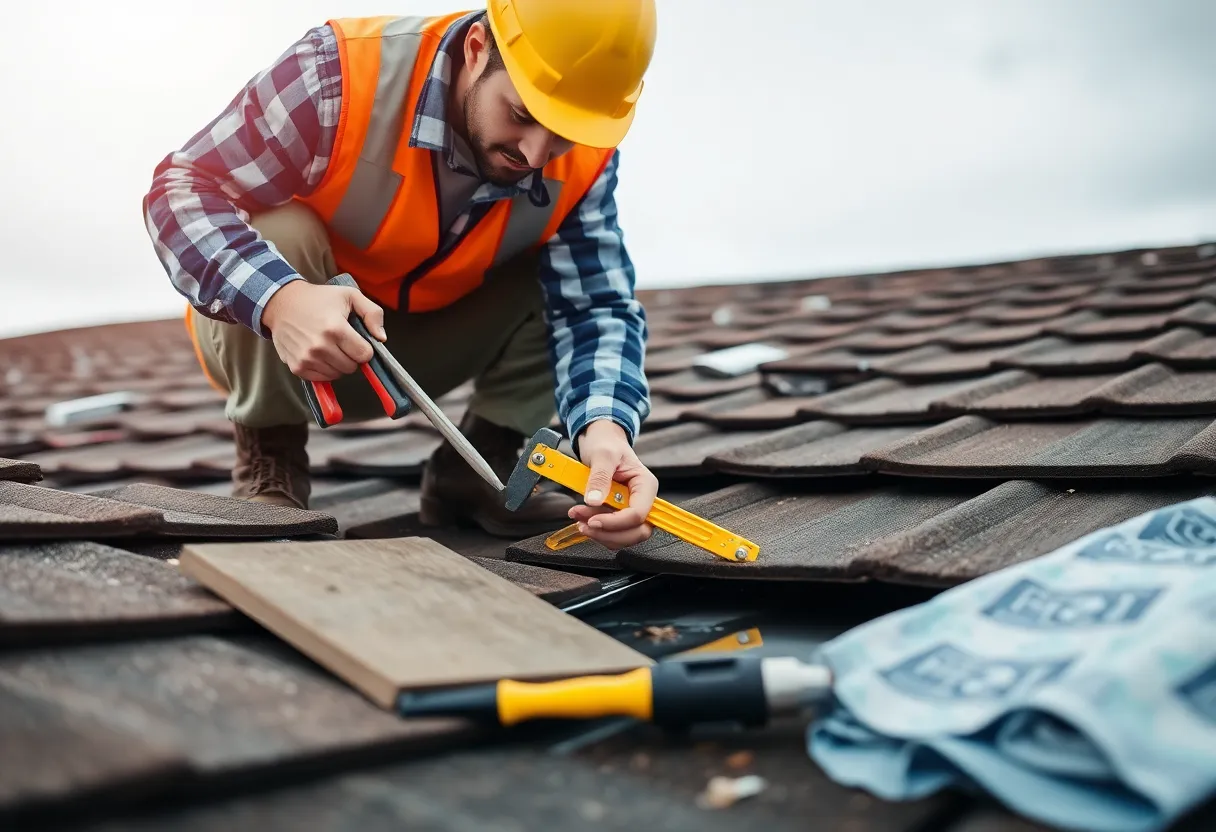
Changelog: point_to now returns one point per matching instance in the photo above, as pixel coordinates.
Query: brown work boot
(272, 465)
(453, 493)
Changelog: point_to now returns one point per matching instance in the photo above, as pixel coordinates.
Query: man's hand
(604, 448)
(309, 328)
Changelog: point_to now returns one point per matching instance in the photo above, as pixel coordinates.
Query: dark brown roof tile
(1012, 523)
(972, 446)
(908, 322)
(38, 512)
(866, 342)
(59, 754)
(1028, 397)
(680, 451)
(230, 707)
(813, 331)
(80, 589)
(1200, 315)
(818, 448)
(938, 363)
(1111, 327)
(190, 513)
(759, 412)
(19, 470)
(1058, 356)
(552, 585)
(1043, 295)
(1181, 348)
(399, 454)
(148, 426)
(692, 385)
(996, 335)
(801, 536)
(1142, 301)
(661, 362)
(1000, 313)
(1155, 389)
(885, 400)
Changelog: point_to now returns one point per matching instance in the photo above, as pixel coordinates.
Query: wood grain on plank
(396, 614)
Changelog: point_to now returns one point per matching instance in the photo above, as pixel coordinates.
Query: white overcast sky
(798, 138)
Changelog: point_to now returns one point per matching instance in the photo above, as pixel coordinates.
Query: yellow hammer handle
(588, 697)
(564, 470)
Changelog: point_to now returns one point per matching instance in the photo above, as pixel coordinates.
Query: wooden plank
(395, 614)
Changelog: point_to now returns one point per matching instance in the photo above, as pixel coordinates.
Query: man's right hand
(309, 328)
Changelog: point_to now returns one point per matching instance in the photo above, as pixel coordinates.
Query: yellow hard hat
(577, 64)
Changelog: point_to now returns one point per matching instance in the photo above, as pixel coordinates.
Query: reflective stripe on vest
(374, 183)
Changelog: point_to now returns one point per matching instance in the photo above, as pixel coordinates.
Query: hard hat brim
(575, 124)
(572, 123)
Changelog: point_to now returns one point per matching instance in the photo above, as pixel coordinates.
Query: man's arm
(598, 337)
(271, 142)
(597, 328)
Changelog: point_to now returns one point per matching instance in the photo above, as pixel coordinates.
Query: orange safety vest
(378, 199)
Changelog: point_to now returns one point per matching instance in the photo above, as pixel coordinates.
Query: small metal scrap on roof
(737, 361)
(75, 411)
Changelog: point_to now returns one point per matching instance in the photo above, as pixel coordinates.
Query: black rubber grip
(718, 690)
(477, 703)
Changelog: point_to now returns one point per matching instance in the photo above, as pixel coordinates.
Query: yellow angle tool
(543, 459)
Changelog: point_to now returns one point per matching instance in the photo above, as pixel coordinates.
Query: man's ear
(475, 48)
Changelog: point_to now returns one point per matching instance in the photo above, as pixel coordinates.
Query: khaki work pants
(495, 336)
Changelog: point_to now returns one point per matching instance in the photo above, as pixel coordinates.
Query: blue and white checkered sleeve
(271, 142)
(597, 327)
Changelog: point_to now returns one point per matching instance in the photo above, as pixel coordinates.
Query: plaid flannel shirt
(273, 141)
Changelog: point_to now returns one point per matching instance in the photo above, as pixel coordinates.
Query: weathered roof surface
(921, 428)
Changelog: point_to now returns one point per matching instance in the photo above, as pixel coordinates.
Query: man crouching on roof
(461, 169)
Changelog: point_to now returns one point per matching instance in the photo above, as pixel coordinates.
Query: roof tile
(61, 590)
(680, 451)
(817, 448)
(19, 470)
(972, 446)
(58, 754)
(1181, 348)
(39, 512)
(230, 707)
(209, 515)
(1014, 522)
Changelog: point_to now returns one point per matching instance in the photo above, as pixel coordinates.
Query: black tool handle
(392, 396)
(728, 689)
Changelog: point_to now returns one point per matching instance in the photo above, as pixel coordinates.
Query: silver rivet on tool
(744, 638)
(538, 458)
(618, 496)
(740, 554)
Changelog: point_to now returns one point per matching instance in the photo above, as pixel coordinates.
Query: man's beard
(483, 152)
